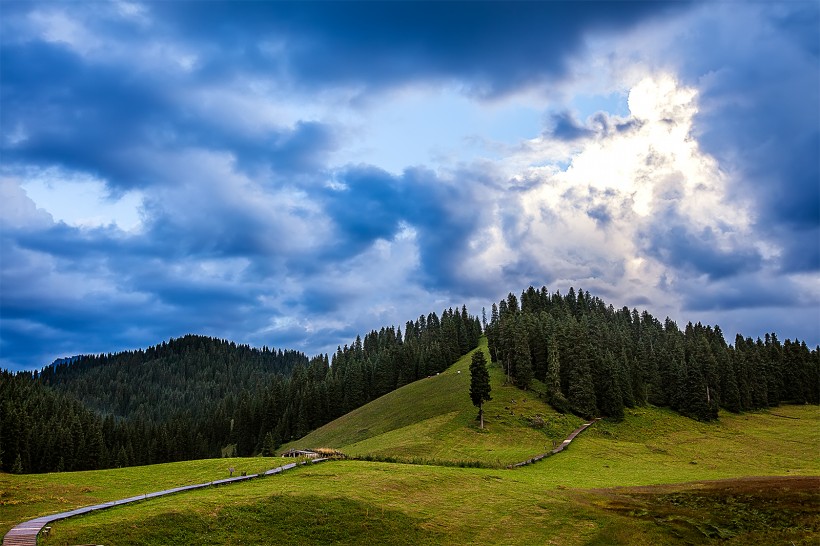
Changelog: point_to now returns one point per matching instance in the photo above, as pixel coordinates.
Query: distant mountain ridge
(183, 375)
(66, 360)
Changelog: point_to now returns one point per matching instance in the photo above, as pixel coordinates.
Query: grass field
(33, 495)
(612, 486)
(654, 478)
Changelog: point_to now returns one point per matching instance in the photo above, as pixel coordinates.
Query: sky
(295, 174)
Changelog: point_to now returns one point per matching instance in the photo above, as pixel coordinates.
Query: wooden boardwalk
(25, 534)
(559, 448)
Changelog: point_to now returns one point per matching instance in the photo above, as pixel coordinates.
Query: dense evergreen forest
(592, 359)
(190, 375)
(195, 396)
(198, 397)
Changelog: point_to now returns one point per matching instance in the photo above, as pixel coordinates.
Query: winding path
(25, 534)
(559, 448)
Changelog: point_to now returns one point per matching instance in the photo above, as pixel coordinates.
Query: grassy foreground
(654, 478)
(32, 495)
(612, 486)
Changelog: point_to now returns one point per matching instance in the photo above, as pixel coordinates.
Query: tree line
(199, 397)
(195, 396)
(592, 359)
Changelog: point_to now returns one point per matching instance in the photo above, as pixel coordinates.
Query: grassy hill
(433, 420)
(653, 478)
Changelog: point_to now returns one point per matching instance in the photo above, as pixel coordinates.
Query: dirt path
(25, 534)
(559, 448)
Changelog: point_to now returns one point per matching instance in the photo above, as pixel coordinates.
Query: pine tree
(479, 383)
(493, 333)
(611, 400)
(554, 395)
(522, 358)
(729, 392)
(121, 460)
(268, 445)
(624, 380)
(537, 340)
(580, 387)
(17, 467)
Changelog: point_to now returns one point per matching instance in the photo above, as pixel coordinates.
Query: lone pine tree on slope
(479, 383)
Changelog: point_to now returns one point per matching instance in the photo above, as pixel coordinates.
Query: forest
(595, 360)
(200, 397)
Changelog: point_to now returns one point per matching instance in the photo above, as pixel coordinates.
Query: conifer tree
(729, 392)
(580, 386)
(554, 395)
(268, 445)
(492, 331)
(624, 380)
(522, 359)
(479, 383)
(610, 401)
(17, 467)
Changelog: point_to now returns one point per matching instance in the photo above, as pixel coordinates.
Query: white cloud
(82, 200)
(583, 225)
(18, 209)
(205, 197)
(57, 26)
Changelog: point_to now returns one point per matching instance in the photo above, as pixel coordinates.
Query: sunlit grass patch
(433, 419)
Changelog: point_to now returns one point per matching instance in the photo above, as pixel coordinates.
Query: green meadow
(653, 478)
(433, 420)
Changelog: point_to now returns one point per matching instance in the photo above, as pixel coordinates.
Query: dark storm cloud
(564, 126)
(103, 116)
(491, 47)
(760, 96)
(124, 112)
(78, 116)
(802, 254)
(673, 240)
(744, 292)
(374, 204)
(100, 297)
(104, 120)
(370, 206)
(63, 241)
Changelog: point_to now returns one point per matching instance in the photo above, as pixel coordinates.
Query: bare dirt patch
(754, 510)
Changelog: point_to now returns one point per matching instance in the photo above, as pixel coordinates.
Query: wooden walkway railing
(25, 534)
(559, 448)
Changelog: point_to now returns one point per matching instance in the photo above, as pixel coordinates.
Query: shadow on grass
(428, 462)
(278, 520)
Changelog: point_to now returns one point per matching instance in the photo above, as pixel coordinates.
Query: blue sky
(294, 174)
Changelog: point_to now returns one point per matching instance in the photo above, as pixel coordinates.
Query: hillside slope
(433, 419)
(604, 490)
(190, 374)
